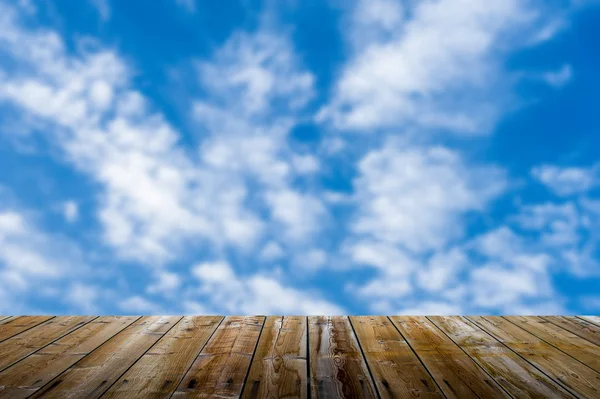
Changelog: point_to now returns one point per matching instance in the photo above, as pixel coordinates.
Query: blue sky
(288, 157)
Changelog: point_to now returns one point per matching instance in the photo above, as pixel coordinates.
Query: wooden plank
(337, 367)
(577, 326)
(19, 324)
(7, 319)
(31, 373)
(456, 373)
(280, 360)
(221, 368)
(95, 373)
(592, 319)
(515, 375)
(2, 318)
(24, 344)
(571, 344)
(396, 370)
(158, 372)
(579, 378)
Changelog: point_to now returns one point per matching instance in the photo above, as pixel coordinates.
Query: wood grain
(566, 341)
(337, 367)
(27, 342)
(222, 366)
(159, 371)
(280, 361)
(592, 319)
(396, 370)
(456, 373)
(2, 318)
(31, 373)
(577, 326)
(95, 373)
(518, 377)
(17, 324)
(561, 367)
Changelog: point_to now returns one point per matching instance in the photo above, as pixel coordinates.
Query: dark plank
(95, 373)
(577, 326)
(279, 366)
(456, 373)
(571, 344)
(515, 375)
(27, 376)
(396, 370)
(29, 341)
(337, 367)
(158, 372)
(579, 378)
(18, 324)
(222, 366)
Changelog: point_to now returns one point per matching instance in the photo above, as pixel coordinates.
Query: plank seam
(262, 327)
(470, 357)
(362, 352)
(572, 332)
(27, 329)
(558, 382)
(589, 321)
(418, 357)
(199, 352)
(48, 344)
(543, 340)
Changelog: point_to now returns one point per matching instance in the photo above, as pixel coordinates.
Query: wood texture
(592, 319)
(396, 370)
(280, 362)
(27, 342)
(459, 375)
(18, 324)
(95, 373)
(28, 375)
(159, 371)
(337, 367)
(577, 326)
(221, 368)
(558, 365)
(515, 375)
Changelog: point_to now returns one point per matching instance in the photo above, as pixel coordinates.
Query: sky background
(299, 157)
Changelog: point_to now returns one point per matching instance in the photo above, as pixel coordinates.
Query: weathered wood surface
(299, 357)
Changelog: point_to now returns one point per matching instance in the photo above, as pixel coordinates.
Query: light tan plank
(222, 366)
(456, 373)
(95, 373)
(17, 325)
(592, 319)
(279, 366)
(579, 378)
(577, 326)
(27, 342)
(337, 367)
(515, 375)
(31, 373)
(159, 371)
(566, 341)
(396, 370)
(2, 318)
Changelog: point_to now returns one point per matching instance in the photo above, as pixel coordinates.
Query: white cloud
(71, 211)
(566, 181)
(103, 8)
(272, 251)
(560, 77)
(255, 294)
(138, 305)
(166, 283)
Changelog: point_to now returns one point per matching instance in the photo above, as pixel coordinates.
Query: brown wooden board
(27, 376)
(27, 342)
(17, 324)
(280, 361)
(396, 370)
(566, 341)
(456, 373)
(221, 368)
(159, 371)
(577, 326)
(95, 373)
(518, 377)
(337, 367)
(559, 366)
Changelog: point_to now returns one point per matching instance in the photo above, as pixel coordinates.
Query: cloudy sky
(299, 157)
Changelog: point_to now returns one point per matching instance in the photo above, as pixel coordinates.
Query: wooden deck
(317, 357)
